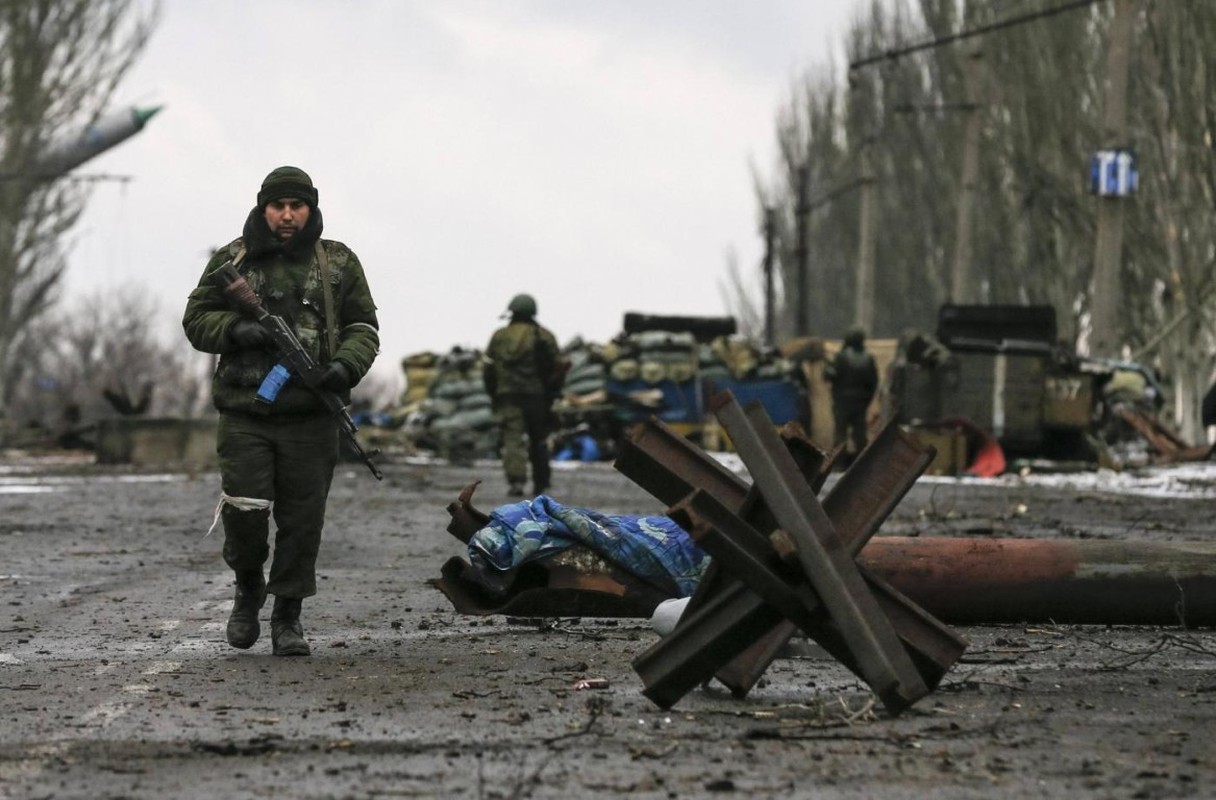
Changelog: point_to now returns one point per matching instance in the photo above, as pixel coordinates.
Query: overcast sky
(594, 153)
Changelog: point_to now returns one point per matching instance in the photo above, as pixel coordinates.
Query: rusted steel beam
(722, 628)
(874, 484)
(858, 503)
(664, 463)
(1161, 438)
(741, 674)
(933, 646)
(703, 646)
(893, 460)
(814, 464)
(744, 553)
(971, 580)
(466, 519)
(881, 659)
(779, 582)
(670, 467)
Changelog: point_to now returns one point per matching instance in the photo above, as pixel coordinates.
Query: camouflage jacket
(521, 359)
(292, 290)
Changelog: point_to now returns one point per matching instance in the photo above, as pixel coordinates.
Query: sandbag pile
(455, 419)
(735, 358)
(671, 374)
(420, 370)
(587, 427)
(586, 381)
(607, 388)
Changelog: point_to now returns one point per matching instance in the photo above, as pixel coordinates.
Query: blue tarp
(682, 402)
(652, 548)
(582, 447)
(782, 399)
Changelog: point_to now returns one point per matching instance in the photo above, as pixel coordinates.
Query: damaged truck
(996, 381)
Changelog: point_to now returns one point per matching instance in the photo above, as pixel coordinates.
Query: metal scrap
(825, 593)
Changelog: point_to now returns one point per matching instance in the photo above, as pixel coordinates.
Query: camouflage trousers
(525, 424)
(288, 460)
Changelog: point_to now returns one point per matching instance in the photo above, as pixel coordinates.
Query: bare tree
(103, 356)
(1034, 220)
(738, 293)
(60, 62)
(1173, 246)
(1033, 229)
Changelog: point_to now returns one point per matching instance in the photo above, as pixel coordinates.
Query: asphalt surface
(116, 681)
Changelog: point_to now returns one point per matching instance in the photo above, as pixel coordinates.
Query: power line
(825, 199)
(84, 178)
(891, 55)
(909, 108)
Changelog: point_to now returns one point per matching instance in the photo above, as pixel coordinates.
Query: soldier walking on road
(854, 378)
(278, 457)
(522, 375)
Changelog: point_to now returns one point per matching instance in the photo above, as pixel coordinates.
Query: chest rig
(320, 275)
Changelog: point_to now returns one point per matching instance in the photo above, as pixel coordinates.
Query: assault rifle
(294, 359)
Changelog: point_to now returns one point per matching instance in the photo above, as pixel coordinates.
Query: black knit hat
(287, 182)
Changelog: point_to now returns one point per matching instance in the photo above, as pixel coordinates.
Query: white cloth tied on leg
(239, 503)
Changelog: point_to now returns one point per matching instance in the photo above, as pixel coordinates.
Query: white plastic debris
(667, 614)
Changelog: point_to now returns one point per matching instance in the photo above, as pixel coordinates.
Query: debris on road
(572, 581)
(590, 683)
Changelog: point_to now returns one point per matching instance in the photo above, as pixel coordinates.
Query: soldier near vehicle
(522, 374)
(278, 437)
(853, 374)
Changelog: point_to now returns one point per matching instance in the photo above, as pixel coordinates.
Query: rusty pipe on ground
(971, 580)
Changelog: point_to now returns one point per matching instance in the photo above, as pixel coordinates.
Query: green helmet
(522, 305)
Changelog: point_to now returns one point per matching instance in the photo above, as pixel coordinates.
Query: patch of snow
(1191, 480)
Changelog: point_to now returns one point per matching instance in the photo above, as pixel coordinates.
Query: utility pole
(802, 213)
(863, 314)
(1106, 334)
(861, 110)
(60, 157)
(770, 236)
(961, 273)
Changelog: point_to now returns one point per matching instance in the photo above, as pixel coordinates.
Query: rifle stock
(241, 296)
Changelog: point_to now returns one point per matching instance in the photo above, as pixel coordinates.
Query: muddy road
(116, 681)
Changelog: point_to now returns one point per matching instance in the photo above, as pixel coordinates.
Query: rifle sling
(331, 334)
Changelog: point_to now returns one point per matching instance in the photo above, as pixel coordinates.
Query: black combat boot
(243, 627)
(286, 634)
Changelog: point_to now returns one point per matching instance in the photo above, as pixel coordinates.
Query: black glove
(248, 335)
(336, 377)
